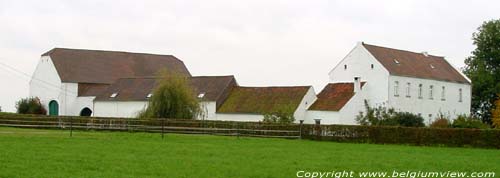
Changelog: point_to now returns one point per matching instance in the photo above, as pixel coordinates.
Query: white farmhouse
(68, 80)
(419, 83)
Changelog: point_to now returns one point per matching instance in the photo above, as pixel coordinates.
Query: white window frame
(460, 95)
(396, 88)
(420, 87)
(408, 89)
(431, 92)
(443, 93)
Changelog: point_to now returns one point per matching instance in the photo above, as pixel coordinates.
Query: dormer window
(113, 95)
(149, 95)
(201, 95)
(396, 61)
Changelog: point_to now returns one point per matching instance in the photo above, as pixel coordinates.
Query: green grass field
(52, 153)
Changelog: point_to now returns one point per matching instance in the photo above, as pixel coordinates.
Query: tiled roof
(93, 66)
(334, 96)
(411, 64)
(91, 89)
(215, 88)
(261, 100)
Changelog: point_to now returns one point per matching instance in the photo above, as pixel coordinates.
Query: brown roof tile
(261, 100)
(91, 89)
(417, 65)
(334, 96)
(137, 89)
(94, 66)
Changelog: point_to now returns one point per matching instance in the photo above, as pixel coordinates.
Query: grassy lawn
(52, 153)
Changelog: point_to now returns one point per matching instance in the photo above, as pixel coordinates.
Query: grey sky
(261, 42)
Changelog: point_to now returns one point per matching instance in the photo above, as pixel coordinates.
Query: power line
(29, 77)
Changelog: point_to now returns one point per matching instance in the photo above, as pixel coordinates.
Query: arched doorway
(53, 108)
(86, 112)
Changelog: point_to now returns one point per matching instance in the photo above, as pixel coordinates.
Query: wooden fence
(251, 129)
(484, 138)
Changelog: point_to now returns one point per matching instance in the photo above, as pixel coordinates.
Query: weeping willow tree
(173, 98)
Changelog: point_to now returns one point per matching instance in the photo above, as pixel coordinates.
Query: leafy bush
(495, 113)
(463, 121)
(30, 105)
(173, 98)
(408, 119)
(388, 117)
(282, 116)
(440, 123)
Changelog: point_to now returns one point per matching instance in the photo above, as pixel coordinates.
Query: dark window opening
(86, 112)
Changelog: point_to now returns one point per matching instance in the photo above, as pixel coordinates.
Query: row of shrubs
(421, 136)
(382, 116)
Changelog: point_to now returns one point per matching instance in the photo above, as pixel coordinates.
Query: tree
(496, 113)
(31, 105)
(483, 68)
(172, 98)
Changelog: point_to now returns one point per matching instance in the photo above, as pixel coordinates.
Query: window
(460, 95)
(345, 66)
(408, 86)
(431, 92)
(396, 88)
(113, 95)
(420, 91)
(396, 61)
(372, 66)
(443, 92)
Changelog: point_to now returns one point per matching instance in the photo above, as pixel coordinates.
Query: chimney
(425, 53)
(357, 84)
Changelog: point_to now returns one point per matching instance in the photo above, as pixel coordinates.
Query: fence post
(300, 128)
(162, 128)
(71, 127)
(237, 130)
(317, 127)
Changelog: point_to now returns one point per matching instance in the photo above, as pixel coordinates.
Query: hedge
(481, 138)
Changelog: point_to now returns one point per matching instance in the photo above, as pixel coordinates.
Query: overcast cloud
(261, 42)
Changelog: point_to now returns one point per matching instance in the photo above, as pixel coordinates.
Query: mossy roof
(261, 100)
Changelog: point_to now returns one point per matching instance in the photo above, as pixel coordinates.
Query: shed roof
(215, 88)
(334, 96)
(262, 100)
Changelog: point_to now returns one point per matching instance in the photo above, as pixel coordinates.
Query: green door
(53, 108)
